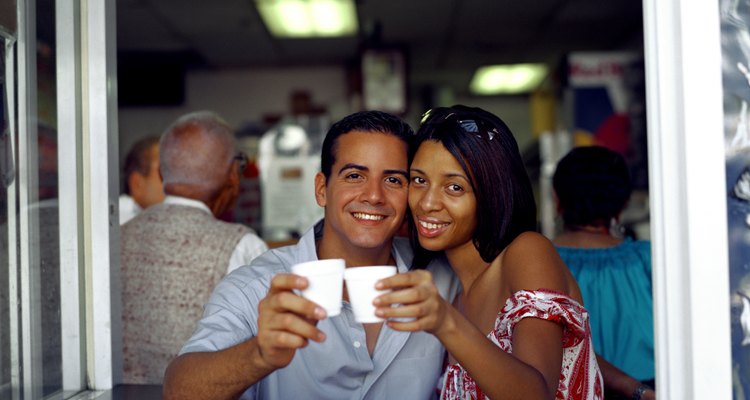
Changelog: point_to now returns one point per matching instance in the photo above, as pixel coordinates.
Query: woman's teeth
(430, 225)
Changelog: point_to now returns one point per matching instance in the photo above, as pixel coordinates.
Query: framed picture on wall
(384, 80)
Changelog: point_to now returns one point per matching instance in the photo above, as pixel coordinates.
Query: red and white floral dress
(580, 377)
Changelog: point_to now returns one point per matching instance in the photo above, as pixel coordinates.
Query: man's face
(365, 196)
(148, 190)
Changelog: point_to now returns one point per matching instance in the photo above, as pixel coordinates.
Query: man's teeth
(430, 225)
(370, 217)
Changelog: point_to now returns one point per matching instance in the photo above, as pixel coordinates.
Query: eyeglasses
(479, 128)
(241, 159)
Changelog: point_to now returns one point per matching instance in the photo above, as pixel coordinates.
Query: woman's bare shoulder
(530, 262)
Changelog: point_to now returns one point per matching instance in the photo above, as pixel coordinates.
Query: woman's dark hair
(363, 121)
(488, 153)
(593, 186)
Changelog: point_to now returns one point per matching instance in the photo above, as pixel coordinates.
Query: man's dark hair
(488, 153)
(593, 186)
(138, 159)
(363, 121)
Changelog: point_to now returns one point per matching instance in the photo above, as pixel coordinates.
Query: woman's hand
(414, 303)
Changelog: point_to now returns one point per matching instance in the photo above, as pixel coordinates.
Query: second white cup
(325, 279)
(360, 284)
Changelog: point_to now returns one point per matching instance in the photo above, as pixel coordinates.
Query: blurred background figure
(174, 253)
(141, 181)
(592, 186)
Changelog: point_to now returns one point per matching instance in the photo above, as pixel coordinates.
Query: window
(55, 191)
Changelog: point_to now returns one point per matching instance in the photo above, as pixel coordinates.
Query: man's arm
(224, 374)
(286, 322)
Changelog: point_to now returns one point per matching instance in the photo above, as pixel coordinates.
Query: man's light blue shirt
(403, 365)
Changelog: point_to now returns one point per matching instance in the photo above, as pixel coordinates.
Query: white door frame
(688, 199)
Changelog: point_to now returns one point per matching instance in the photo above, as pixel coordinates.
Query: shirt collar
(184, 201)
(400, 248)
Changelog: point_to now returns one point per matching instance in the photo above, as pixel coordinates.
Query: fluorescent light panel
(309, 18)
(507, 79)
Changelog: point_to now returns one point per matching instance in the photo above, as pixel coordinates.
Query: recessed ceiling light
(309, 18)
(507, 79)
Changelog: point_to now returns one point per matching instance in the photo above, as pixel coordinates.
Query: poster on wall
(735, 48)
(288, 164)
(608, 95)
(384, 80)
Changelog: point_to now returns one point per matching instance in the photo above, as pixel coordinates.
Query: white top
(249, 247)
(128, 208)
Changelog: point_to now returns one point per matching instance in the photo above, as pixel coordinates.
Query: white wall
(247, 94)
(239, 96)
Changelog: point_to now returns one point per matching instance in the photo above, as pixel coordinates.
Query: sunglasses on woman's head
(477, 127)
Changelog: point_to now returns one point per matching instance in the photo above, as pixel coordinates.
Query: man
(143, 187)
(258, 339)
(174, 253)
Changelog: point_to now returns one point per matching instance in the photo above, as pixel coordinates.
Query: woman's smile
(441, 199)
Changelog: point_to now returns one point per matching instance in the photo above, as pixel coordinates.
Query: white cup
(360, 284)
(326, 278)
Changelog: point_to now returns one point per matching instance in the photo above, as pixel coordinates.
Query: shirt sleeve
(230, 316)
(547, 305)
(249, 247)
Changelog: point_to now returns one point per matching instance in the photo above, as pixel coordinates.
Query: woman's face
(441, 199)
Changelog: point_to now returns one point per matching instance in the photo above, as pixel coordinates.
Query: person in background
(142, 182)
(518, 329)
(259, 340)
(174, 253)
(592, 186)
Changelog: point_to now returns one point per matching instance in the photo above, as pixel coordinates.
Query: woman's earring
(616, 230)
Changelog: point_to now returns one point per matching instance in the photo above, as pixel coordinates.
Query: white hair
(197, 150)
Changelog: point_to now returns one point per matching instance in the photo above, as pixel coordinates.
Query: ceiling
(445, 40)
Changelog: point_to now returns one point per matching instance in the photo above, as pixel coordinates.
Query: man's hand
(286, 321)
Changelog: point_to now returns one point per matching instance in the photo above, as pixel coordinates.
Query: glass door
(32, 208)
(57, 198)
(7, 175)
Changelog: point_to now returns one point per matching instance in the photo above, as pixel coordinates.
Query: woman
(518, 329)
(592, 186)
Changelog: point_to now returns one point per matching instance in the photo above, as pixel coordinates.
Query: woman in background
(518, 329)
(592, 186)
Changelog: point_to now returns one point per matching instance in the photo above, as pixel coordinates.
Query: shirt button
(357, 344)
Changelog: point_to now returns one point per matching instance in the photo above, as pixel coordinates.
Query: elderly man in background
(142, 182)
(174, 253)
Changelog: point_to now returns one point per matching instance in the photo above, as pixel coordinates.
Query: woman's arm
(532, 371)
(531, 262)
(501, 375)
(618, 381)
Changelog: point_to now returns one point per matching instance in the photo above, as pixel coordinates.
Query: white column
(688, 199)
(100, 186)
(68, 23)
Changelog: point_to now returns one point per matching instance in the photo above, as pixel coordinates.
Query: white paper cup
(360, 284)
(326, 281)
